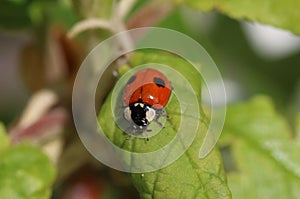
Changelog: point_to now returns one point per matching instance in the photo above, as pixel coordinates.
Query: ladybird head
(140, 113)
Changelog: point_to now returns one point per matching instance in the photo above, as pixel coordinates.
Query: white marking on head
(151, 97)
(139, 104)
(127, 114)
(150, 114)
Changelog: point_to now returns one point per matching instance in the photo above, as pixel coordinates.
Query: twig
(149, 15)
(38, 105)
(87, 24)
(45, 128)
(123, 8)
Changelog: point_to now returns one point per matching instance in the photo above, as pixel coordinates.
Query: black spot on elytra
(132, 78)
(159, 82)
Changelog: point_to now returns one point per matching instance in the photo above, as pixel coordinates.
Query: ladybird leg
(128, 130)
(165, 115)
(168, 117)
(131, 130)
(161, 113)
(159, 123)
(146, 133)
(128, 137)
(147, 138)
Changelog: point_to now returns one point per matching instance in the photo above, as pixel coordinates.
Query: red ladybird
(145, 95)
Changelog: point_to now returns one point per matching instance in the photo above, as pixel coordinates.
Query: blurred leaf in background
(25, 171)
(244, 71)
(26, 14)
(263, 159)
(274, 12)
(14, 14)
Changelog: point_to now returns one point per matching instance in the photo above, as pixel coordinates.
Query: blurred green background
(253, 59)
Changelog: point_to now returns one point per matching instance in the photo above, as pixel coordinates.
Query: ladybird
(145, 95)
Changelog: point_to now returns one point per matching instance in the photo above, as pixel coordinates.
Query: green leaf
(282, 14)
(25, 173)
(14, 15)
(266, 157)
(62, 12)
(21, 14)
(4, 141)
(93, 8)
(187, 177)
(298, 128)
